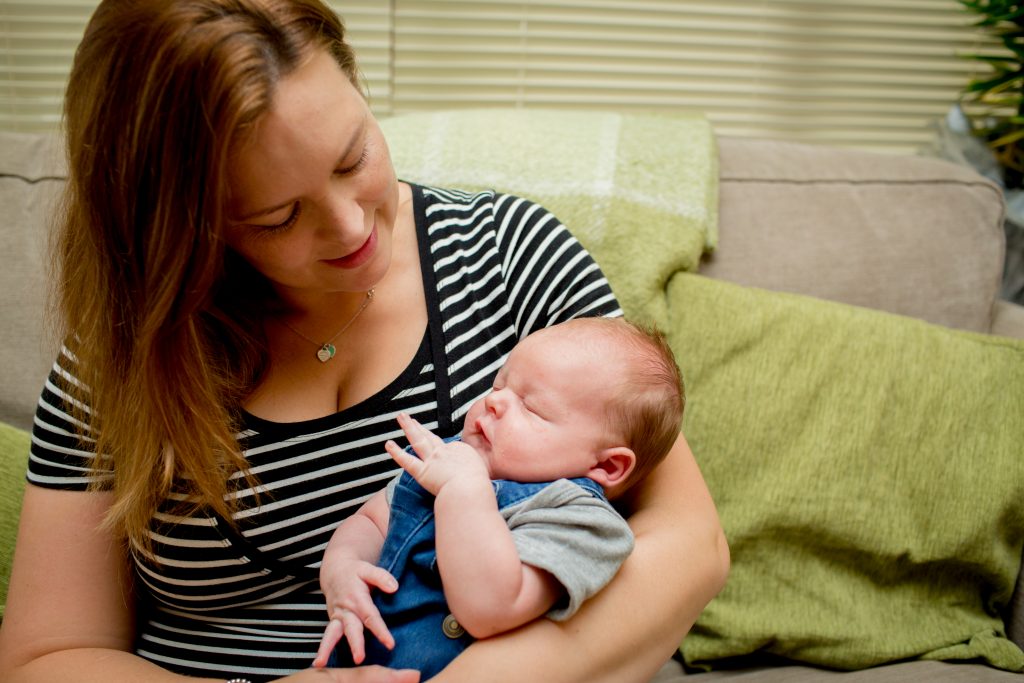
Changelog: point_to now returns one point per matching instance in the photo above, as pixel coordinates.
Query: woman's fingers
(362, 674)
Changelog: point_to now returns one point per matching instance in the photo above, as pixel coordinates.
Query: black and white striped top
(225, 602)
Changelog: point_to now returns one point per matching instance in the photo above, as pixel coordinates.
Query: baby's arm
(488, 588)
(347, 574)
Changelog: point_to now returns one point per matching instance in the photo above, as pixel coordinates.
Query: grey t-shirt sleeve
(576, 536)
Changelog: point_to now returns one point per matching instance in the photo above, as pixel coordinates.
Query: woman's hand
(362, 674)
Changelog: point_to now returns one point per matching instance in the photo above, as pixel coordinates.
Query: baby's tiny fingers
(407, 461)
(332, 635)
(413, 428)
(375, 623)
(380, 578)
(393, 449)
(353, 627)
(423, 441)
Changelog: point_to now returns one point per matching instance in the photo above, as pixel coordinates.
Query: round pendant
(325, 352)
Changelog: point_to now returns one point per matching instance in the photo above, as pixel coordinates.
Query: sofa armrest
(909, 235)
(1008, 320)
(31, 182)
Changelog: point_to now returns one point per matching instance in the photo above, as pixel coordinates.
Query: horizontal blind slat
(860, 72)
(38, 39)
(876, 73)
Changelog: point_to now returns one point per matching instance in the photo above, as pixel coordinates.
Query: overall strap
(435, 331)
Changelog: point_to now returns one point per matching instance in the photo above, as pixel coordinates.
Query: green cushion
(640, 191)
(14, 444)
(869, 473)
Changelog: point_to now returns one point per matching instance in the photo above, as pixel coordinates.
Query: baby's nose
(495, 402)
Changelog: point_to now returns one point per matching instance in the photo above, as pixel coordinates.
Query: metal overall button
(452, 628)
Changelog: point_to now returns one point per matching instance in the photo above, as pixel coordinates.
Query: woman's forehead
(317, 116)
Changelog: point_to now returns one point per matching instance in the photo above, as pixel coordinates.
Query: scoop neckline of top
(368, 407)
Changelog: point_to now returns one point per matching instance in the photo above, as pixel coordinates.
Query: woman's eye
(287, 222)
(360, 162)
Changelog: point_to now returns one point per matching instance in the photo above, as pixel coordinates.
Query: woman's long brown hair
(163, 322)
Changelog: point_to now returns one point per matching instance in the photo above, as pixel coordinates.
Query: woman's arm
(628, 630)
(69, 606)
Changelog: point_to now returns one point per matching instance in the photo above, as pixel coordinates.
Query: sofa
(854, 385)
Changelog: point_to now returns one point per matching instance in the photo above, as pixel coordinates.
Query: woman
(250, 297)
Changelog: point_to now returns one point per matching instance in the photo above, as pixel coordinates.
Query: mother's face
(314, 196)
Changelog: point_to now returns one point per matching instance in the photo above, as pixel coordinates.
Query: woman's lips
(359, 256)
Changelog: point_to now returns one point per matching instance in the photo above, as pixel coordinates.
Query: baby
(511, 521)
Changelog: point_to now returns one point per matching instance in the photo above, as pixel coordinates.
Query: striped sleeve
(550, 277)
(503, 267)
(62, 454)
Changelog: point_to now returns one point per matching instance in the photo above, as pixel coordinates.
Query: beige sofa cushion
(31, 179)
(933, 248)
(1008, 320)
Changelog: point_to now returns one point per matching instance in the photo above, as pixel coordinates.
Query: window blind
(38, 40)
(863, 73)
(867, 73)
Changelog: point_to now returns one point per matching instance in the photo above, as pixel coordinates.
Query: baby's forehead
(565, 350)
(596, 335)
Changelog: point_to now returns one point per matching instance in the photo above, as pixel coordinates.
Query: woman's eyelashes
(360, 162)
(297, 207)
(287, 222)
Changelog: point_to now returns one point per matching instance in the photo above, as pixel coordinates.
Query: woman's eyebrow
(353, 141)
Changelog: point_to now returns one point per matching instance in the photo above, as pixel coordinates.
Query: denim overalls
(427, 637)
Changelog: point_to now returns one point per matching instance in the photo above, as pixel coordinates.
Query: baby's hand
(350, 607)
(439, 462)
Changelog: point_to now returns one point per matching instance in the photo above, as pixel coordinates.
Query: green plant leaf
(1008, 139)
(994, 101)
(992, 84)
(993, 59)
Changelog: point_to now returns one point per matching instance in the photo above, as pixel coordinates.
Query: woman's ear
(613, 466)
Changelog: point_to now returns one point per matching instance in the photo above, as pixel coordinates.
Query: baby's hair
(647, 406)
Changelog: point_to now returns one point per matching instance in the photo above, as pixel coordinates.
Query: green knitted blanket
(640, 191)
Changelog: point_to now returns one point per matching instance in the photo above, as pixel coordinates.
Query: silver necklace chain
(326, 350)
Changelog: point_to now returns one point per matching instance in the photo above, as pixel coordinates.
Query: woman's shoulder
(440, 200)
(63, 454)
(472, 215)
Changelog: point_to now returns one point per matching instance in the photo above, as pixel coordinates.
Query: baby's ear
(613, 467)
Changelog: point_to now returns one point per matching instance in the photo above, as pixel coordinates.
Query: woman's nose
(343, 217)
